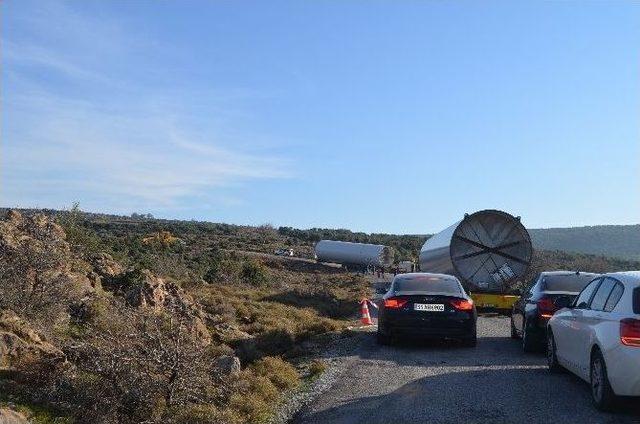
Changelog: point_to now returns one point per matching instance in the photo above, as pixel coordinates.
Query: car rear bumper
(623, 368)
(460, 329)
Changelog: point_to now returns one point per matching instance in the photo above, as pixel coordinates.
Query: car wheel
(528, 344)
(514, 332)
(470, 341)
(382, 339)
(601, 391)
(552, 358)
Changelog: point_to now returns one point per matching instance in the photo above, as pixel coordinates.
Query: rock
(227, 364)
(95, 280)
(105, 266)
(229, 333)
(9, 416)
(19, 341)
(144, 289)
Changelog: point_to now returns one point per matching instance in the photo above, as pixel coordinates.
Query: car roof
(416, 275)
(629, 277)
(546, 273)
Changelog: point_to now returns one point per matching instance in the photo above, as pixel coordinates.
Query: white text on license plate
(429, 307)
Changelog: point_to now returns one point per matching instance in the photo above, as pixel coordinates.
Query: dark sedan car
(422, 305)
(532, 311)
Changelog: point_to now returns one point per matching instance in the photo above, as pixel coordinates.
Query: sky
(376, 116)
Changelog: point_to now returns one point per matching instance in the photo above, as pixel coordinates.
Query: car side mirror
(562, 302)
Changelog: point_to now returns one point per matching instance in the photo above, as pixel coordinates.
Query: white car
(597, 337)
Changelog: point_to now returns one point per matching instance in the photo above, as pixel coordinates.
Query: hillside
(621, 241)
(120, 319)
(113, 322)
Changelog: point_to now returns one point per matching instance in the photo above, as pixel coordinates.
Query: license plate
(429, 307)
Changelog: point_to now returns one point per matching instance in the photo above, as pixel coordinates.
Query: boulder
(227, 364)
(19, 341)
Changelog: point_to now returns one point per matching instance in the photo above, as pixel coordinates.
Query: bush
(316, 367)
(204, 414)
(282, 374)
(254, 273)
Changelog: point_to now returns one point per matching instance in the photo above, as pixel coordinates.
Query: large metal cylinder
(347, 253)
(488, 251)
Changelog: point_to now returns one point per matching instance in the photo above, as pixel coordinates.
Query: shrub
(204, 414)
(316, 367)
(282, 374)
(253, 273)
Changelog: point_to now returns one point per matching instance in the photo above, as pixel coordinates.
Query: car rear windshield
(636, 300)
(566, 282)
(427, 284)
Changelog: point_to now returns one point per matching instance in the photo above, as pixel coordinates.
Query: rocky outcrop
(11, 416)
(37, 269)
(19, 341)
(105, 266)
(143, 289)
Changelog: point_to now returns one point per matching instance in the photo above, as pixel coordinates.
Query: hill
(622, 241)
(133, 319)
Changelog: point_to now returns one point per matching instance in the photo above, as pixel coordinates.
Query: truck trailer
(489, 251)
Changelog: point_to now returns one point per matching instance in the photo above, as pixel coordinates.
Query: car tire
(552, 358)
(470, 341)
(601, 392)
(514, 332)
(382, 339)
(528, 344)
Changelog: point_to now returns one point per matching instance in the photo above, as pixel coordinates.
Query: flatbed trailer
(494, 302)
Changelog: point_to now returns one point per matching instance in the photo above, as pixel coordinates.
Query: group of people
(380, 271)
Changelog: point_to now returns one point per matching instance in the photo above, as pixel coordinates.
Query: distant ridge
(622, 241)
(616, 241)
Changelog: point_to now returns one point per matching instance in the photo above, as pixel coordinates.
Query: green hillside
(622, 241)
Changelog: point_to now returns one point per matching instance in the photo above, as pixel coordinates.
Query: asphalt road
(446, 383)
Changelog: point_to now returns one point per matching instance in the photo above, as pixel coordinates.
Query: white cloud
(118, 143)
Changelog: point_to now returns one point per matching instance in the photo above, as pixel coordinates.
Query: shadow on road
(479, 396)
(445, 382)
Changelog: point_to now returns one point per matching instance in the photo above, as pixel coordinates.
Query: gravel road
(446, 383)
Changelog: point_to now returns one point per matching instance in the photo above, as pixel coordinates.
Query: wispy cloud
(73, 131)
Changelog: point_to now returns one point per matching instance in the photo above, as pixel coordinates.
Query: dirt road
(445, 383)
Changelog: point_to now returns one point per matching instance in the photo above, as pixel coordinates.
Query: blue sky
(378, 116)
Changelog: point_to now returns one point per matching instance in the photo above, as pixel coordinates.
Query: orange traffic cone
(366, 318)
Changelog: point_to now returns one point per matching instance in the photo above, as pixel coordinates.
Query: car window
(532, 287)
(573, 282)
(614, 297)
(582, 301)
(427, 284)
(601, 296)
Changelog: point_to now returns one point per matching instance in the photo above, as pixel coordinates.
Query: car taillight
(630, 332)
(394, 302)
(462, 304)
(546, 308)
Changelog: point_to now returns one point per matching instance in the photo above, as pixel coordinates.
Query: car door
(519, 307)
(592, 316)
(568, 325)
